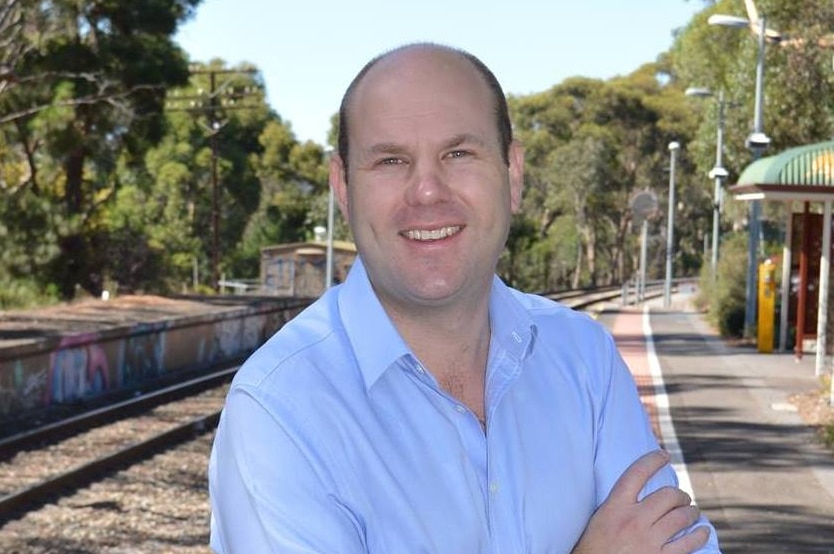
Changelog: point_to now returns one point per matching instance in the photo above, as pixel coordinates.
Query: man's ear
(516, 159)
(338, 182)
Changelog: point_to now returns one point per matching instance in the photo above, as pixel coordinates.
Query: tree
(798, 85)
(591, 146)
(96, 74)
(798, 109)
(268, 184)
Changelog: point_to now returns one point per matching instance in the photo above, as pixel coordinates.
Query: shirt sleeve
(625, 434)
(266, 492)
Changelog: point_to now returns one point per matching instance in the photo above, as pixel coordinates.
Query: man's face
(428, 197)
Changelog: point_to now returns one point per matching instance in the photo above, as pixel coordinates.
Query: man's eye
(390, 161)
(458, 154)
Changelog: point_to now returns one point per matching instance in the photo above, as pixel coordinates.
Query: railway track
(40, 469)
(589, 299)
(41, 464)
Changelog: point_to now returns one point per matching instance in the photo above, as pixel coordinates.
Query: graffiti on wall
(84, 366)
(78, 369)
(20, 389)
(141, 355)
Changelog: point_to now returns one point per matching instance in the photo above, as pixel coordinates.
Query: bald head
(452, 57)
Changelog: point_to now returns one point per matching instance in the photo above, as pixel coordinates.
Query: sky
(308, 51)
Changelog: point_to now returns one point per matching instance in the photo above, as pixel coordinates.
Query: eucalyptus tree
(294, 186)
(95, 75)
(223, 139)
(591, 146)
(798, 92)
(798, 108)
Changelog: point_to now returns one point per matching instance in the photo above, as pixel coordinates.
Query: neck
(453, 344)
(449, 342)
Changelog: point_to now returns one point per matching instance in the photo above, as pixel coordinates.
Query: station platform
(727, 414)
(60, 359)
(20, 327)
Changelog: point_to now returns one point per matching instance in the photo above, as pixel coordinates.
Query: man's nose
(428, 185)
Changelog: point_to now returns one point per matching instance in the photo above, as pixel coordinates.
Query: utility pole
(213, 103)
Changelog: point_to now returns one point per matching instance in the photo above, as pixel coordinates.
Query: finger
(675, 521)
(688, 543)
(664, 500)
(633, 479)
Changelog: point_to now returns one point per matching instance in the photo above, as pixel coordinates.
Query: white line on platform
(667, 426)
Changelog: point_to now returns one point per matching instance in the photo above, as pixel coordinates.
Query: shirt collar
(512, 327)
(377, 344)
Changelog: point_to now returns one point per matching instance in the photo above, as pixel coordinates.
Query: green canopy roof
(801, 173)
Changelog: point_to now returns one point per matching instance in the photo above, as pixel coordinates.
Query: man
(423, 406)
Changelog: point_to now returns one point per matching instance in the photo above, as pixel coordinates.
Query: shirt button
(420, 370)
(460, 409)
(493, 487)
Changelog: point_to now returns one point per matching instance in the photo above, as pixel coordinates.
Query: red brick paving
(628, 334)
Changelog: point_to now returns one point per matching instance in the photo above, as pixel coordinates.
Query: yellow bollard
(767, 305)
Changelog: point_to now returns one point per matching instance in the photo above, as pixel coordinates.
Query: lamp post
(757, 141)
(717, 173)
(331, 201)
(670, 228)
(328, 272)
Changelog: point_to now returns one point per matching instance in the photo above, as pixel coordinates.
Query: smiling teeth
(434, 234)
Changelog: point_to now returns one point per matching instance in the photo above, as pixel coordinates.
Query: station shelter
(298, 269)
(801, 177)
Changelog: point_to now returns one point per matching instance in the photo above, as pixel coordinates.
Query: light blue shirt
(334, 438)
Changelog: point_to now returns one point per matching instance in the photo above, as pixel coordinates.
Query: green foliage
(100, 184)
(95, 75)
(267, 183)
(591, 146)
(21, 293)
(25, 248)
(521, 238)
(725, 298)
(798, 84)
(828, 435)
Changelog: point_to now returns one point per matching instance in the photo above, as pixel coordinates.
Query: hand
(623, 525)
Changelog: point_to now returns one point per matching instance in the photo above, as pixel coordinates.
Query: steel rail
(113, 412)
(14, 505)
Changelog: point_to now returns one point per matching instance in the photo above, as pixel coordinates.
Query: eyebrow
(385, 148)
(396, 148)
(465, 138)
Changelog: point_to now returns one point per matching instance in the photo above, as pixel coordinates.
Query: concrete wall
(79, 367)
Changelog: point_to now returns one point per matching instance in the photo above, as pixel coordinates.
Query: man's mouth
(432, 234)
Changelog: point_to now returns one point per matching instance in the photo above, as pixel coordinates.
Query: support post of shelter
(802, 295)
(825, 270)
(786, 279)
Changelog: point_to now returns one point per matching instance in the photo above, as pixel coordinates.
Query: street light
(670, 228)
(757, 141)
(328, 272)
(331, 201)
(717, 173)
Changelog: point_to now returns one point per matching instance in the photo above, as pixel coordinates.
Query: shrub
(25, 293)
(724, 298)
